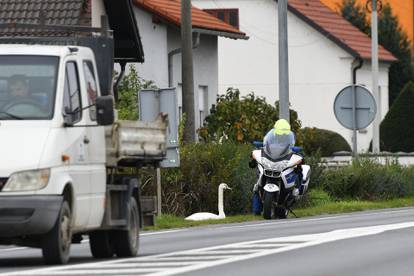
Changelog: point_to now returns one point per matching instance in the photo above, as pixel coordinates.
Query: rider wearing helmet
(279, 140)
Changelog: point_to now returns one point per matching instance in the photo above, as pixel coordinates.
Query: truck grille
(271, 173)
(3, 181)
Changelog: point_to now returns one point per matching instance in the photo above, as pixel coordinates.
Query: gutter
(221, 33)
(175, 52)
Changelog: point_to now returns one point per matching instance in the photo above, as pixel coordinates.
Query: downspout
(118, 80)
(356, 68)
(177, 51)
(354, 131)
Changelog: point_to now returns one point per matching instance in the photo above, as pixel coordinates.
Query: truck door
(96, 145)
(75, 143)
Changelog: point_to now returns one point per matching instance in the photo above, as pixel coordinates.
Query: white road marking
(163, 232)
(272, 245)
(291, 243)
(104, 271)
(12, 249)
(145, 264)
(316, 219)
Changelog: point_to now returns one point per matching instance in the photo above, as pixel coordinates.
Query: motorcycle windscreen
(279, 147)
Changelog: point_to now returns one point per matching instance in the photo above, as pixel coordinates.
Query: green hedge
(325, 141)
(368, 180)
(193, 187)
(397, 128)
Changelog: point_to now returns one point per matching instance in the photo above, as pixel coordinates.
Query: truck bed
(136, 143)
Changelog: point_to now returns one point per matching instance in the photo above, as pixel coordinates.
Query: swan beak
(228, 188)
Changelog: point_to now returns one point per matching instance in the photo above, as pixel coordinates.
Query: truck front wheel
(56, 243)
(126, 242)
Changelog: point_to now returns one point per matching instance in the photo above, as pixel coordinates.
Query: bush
(365, 179)
(397, 128)
(326, 142)
(193, 187)
(128, 89)
(242, 119)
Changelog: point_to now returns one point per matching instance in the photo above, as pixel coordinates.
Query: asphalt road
(365, 243)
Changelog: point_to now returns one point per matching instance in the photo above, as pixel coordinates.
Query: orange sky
(404, 9)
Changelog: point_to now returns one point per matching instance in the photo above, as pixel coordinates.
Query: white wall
(154, 42)
(158, 39)
(205, 59)
(98, 9)
(318, 68)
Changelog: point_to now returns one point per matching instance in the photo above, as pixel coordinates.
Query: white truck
(62, 151)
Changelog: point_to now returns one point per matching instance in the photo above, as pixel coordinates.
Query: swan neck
(220, 202)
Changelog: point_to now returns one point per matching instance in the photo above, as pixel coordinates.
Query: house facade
(159, 26)
(323, 51)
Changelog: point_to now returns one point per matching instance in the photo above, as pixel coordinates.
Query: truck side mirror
(105, 110)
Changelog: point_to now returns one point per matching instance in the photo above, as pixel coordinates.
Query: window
(230, 16)
(27, 87)
(71, 98)
(202, 103)
(180, 101)
(91, 87)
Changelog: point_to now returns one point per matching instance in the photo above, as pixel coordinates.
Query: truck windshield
(27, 87)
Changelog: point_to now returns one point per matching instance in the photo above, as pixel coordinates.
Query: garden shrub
(325, 141)
(242, 119)
(397, 128)
(366, 179)
(193, 187)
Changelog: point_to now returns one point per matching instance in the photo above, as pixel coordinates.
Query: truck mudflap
(28, 215)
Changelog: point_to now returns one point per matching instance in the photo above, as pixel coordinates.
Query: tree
(355, 13)
(129, 87)
(242, 119)
(397, 128)
(390, 36)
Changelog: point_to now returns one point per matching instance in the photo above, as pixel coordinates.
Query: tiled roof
(51, 12)
(336, 28)
(170, 10)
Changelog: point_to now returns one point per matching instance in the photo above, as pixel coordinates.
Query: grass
(320, 204)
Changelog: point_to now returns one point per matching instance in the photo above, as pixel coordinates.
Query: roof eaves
(220, 33)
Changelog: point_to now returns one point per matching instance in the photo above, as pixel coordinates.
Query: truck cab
(55, 182)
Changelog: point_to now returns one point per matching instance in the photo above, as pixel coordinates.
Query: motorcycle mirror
(258, 144)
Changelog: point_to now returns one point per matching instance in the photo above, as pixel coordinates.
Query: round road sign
(365, 107)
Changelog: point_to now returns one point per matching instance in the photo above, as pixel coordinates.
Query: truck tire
(56, 243)
(268, 205)
(126, 242)
(101, 244)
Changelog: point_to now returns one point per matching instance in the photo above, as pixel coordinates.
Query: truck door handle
(86, 140)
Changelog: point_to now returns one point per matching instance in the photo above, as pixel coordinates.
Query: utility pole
(374, 65)
(187, 73)
(283, 61)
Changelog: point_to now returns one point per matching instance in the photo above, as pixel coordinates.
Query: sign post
(355, 109)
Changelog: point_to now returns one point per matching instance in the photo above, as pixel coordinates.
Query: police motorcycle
(282, 179)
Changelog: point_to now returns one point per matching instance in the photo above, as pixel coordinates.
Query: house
(159, 25)
(323, 51)
(76, 12)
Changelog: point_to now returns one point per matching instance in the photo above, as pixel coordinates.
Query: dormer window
(230, 16)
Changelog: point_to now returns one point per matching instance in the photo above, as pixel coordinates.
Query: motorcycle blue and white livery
(282, 180)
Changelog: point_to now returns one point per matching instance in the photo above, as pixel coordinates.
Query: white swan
(205, 215)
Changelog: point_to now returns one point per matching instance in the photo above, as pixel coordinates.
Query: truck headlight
(27, 181)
